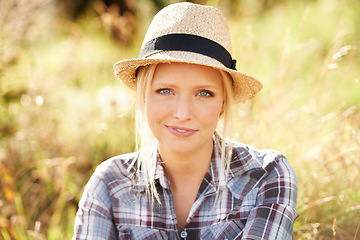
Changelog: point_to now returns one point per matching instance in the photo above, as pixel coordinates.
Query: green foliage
(307, 56)
(62, 111)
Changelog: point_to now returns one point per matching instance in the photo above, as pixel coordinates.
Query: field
(62, 112)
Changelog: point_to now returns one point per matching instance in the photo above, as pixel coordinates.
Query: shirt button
(183, 234)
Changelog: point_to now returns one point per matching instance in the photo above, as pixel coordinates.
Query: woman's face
(184, 106)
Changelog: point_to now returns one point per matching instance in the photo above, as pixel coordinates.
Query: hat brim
(244, 86)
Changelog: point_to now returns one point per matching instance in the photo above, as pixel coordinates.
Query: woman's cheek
(211, 112)
(158, 107)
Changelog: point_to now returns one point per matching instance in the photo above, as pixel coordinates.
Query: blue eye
(163, 91)
(205, 93)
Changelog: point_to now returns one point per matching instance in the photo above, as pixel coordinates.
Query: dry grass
(62, 112)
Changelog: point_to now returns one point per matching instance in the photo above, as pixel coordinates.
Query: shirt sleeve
(274, 214)
(94, 217)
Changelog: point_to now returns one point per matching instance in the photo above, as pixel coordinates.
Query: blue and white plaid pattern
(258, 202)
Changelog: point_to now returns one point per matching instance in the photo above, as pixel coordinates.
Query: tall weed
(62, 111)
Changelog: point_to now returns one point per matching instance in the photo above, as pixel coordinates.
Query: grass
(62, 111)
(309, 108)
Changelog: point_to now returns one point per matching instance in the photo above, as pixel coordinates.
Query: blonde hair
(145, 140)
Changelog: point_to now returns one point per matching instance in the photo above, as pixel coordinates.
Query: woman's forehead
(189, 74)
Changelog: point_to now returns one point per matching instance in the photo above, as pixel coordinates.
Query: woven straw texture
(189, 18)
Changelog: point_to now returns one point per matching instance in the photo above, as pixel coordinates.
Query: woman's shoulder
(118, 167)
(253, 158)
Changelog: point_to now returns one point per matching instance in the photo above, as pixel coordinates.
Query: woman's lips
(181, 131)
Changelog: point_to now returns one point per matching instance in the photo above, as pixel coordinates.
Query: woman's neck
(185, 168)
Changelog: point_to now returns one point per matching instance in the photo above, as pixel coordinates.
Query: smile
(181, 132)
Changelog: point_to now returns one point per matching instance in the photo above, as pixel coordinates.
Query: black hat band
(189, 43)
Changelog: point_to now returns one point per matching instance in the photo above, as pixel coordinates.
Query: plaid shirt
(258, 202)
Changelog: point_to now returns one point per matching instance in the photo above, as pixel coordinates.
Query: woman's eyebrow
(206, 86)
(164, 83)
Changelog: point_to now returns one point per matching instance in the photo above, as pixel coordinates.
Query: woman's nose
(183, 109)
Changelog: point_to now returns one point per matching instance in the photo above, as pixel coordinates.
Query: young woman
(187, 180)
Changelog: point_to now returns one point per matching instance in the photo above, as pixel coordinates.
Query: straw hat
(189, 33)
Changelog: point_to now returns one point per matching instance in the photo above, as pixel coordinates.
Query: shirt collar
(160, 173)
(243, 160)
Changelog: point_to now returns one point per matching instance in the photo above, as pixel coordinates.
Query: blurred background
(62, 111)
